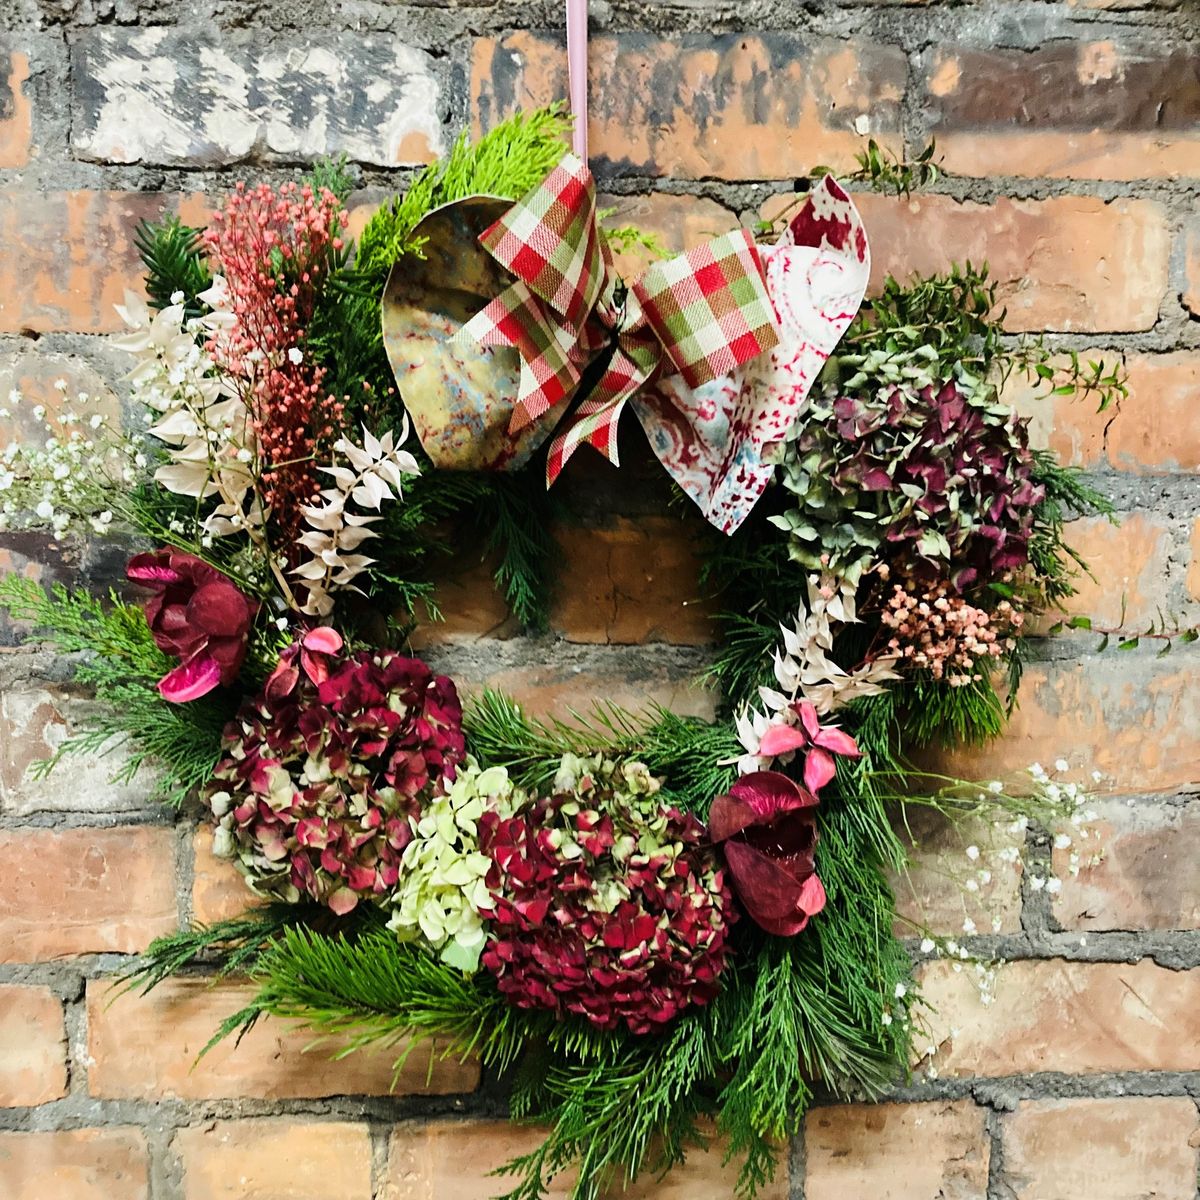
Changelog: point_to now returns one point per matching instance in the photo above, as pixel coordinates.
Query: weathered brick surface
(1069, 263)
(145, 1047)
(33, 1044)
(68, 258)
(896, 1152)
(83, 1164)
(455, 1159)
(1053, 1015)
(275, 1159)
(34, 375)
(1129, 715)
(1193, 571)
(1191, 247)
(1148, 878)
(632, 582)
(218, 890)
(933, 894)
(183, 96)
(1149, 431)
(16, 118)
(83, 891)
(765, 106)
(34, 723)
(550, 681)
(1102, 1149)
(678, 222)
(1129, 564)
(1076, 110)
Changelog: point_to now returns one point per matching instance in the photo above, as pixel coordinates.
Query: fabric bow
(699, 316)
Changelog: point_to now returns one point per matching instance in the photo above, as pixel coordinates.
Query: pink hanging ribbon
(577, 36)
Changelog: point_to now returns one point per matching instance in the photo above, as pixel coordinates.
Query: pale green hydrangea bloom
(442, 890)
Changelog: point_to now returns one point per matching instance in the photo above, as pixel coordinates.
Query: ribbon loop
(700, 314)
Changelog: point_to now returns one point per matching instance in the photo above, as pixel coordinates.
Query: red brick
(1083, 110)
(84, 891)
(69, 256)
(454, 1159)
(1075, 1017)
(33, 1046)
(678, 222)
(1131, 1146)
(146, 1047)
(1148, 877)
(468, 600)
(632, 581)
(764, 106)
(1193, 572)
(275, 1159)
(1132, 716)
(84, 1164)
(1151, 430)
(219, 891)
(1129, 564)
(16, 119)
(931, 896)
(896, 1152)
(33, 374)
(1069, 263)
(1191, 249)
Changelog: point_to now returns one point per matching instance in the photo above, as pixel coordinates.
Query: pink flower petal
(819, 769)
(323, 640)
(218, 608)
(190, 680)
(342, 901)
(838, 741)
(151, 569)
(808, 717)
(779, 739)
(812, 896)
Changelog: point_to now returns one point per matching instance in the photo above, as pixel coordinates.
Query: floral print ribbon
(716, 348)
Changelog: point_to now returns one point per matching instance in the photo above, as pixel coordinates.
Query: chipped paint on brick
(169, 97)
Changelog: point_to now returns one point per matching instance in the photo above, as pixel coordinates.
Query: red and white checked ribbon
(700, 315)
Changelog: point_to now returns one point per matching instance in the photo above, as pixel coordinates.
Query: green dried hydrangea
(937, 480)
(442, 890)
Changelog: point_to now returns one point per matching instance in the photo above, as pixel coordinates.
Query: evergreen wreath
(640, 920)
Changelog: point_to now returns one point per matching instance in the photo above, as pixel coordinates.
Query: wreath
(640, 920)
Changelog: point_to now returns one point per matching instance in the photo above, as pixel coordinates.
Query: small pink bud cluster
(946, 635)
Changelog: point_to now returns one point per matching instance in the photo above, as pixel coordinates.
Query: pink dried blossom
(273, 249)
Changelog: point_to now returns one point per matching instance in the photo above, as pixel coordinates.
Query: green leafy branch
(1160, 629)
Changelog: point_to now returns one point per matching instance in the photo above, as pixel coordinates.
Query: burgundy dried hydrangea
(937, 480)
(322, 771)
(607, 903)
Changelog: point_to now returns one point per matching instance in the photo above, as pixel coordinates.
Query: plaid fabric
(550, 240)
(710, 307)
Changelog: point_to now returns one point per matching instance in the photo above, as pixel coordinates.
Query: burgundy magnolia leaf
(767, 829)
(196, 614)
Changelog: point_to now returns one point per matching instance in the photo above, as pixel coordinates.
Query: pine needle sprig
(174, 260)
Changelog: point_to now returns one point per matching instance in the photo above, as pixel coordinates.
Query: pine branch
(174, 259)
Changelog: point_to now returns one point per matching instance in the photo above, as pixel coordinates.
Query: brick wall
(1073, 131)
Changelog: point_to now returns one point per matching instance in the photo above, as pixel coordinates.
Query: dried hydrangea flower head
(443, 897)
(321, 772)
(608, 903)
